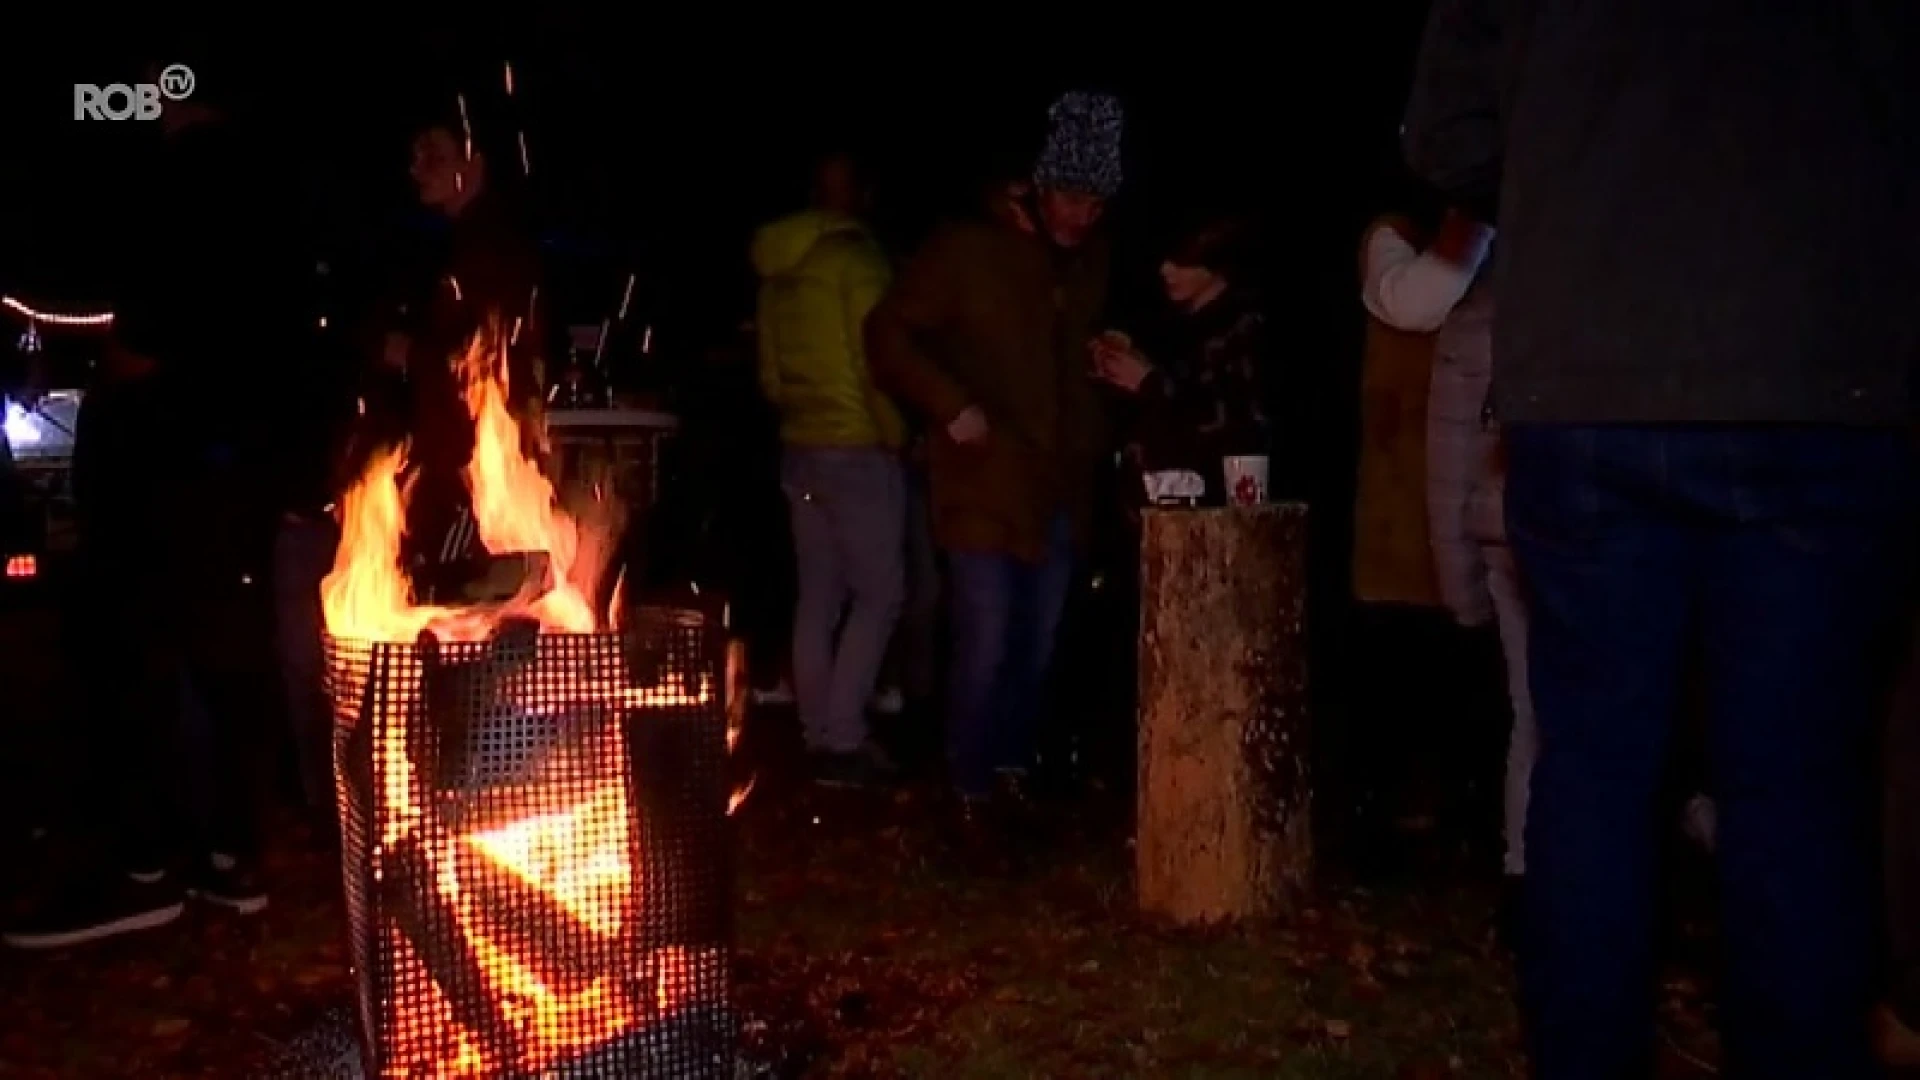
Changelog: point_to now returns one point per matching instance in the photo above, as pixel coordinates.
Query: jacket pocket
(984, 478)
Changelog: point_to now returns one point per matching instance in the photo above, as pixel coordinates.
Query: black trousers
(1423, 728)
(172, 632)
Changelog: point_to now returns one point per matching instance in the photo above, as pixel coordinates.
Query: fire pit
(532, 796)
(534, 839)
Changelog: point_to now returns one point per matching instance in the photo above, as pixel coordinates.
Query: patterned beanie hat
(1082, 151)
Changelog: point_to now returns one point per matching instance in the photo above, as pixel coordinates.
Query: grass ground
(1052, 974)
(864, 950)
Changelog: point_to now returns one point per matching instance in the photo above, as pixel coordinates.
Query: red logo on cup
(1246, 491)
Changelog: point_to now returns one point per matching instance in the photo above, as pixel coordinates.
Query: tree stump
(1223, 829)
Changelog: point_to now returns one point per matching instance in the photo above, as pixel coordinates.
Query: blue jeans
(849, 536)
(1005, 615)
(1775, 557)
(919, 637)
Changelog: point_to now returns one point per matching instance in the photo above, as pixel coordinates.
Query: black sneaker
(229, 883)
(97, 910)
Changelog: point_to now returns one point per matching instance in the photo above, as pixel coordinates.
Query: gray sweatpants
(849, 535)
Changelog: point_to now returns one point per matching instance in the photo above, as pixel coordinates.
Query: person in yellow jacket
(820, 272)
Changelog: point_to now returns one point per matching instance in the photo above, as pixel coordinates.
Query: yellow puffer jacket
(820, 273)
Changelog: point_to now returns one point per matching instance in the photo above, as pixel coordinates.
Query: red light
(22, 567)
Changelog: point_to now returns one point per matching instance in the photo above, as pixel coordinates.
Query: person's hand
(970, 427)
(1117, 362)
(393, 353)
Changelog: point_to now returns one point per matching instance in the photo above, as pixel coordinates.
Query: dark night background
(658, 150)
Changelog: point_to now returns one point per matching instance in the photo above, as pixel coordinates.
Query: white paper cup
(1246, 478)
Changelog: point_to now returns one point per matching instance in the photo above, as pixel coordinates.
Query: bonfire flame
(577, 856)
(367, 596)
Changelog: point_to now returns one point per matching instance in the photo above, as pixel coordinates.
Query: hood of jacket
(781, 246)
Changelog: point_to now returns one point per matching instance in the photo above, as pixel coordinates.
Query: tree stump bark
(1223, 829)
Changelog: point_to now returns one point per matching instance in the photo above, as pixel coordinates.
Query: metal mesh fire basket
(535, 851)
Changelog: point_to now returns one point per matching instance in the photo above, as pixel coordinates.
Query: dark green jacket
(989, 315)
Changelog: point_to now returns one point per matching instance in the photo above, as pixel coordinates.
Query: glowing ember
(576, 856)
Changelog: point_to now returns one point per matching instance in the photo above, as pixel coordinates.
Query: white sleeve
(1414, 290)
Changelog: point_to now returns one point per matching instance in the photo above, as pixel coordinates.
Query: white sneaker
(888, 701)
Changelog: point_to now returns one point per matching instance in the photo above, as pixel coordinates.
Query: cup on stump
(1246, 479)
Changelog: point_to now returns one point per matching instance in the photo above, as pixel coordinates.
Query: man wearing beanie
(985, 335)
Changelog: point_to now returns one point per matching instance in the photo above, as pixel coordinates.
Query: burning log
(565, 950)
(476, 731)
(489, 579)
(1224, 790)
(432, 927)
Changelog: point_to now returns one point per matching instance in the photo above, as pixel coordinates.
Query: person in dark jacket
(486, 281)
(309, 480)
(176, 518)
(1703, 366)
(984, 335)
(1200, 389)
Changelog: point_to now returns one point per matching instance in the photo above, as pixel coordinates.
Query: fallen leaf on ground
(168, 1026)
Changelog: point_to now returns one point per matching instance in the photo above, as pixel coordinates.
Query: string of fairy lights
(35, 315)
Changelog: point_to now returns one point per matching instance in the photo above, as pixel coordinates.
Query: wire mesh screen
(535, 851)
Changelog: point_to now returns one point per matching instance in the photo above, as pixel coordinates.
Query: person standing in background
(1443, 289)
(985, 334)
(1199, 387)
(176, 521)
(307, 460)
(1705, 379)
(1419, 291)
(1421, 585)
(485, 280)
(821, 272)
(1467, 506)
